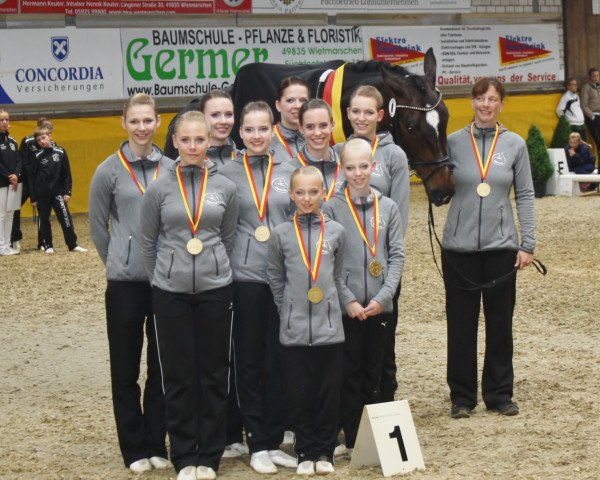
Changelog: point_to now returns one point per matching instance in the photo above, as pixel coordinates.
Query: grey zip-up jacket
(295, 140)
(327, 167)
(391, 176)
(249, 256)
(114, 212)
(303, 323)
(358, 284)
(222, 154)
(474, 223)
(165, 231)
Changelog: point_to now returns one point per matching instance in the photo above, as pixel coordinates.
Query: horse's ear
(430, 66)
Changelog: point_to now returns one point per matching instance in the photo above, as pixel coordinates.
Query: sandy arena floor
(56, 417)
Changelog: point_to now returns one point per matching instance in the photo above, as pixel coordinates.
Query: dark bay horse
(415, 113)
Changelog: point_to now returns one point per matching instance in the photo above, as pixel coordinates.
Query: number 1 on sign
(397, 434)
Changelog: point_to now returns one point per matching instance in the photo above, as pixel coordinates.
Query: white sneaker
(49, 250)
(42, 249)
(307, 467)
(16, 246)
(141, 465)
(288, 438)
(281, 458)
(340, 450)
(323, 467)
(159, 463)
(235, 450)
(261, 462)
(205, 473)
(187, 473)
(349, 451)
(7, 252)
(79, 249)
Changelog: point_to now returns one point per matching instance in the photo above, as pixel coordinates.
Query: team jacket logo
(59, 47)
(280, 185)
(56, 157)
(326, 246)
(213, 199)
(382, 223)
(499, 159)
(378, 171)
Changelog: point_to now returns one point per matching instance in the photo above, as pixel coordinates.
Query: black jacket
(51, 173)
(10, 160)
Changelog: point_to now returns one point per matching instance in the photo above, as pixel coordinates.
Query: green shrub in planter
(560, 137)
(541, 166)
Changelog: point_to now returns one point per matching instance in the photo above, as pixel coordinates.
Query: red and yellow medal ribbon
(283, 141)
(261, 205)
(194, 221)
(360, 226)
(374, 145)
(312, 269)
(127, 166)
(484, 169)
(331, 191)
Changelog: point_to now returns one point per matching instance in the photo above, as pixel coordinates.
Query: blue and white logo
(59, 47)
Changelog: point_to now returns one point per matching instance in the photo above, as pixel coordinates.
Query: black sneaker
(509, 409)
(460, 411)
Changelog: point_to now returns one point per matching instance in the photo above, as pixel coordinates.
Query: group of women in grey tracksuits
(213, 255)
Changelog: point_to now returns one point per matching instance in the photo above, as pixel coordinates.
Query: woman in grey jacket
(188, 220)
(293, 92)
(116, 194)
(482, 251)
(305, 274)
(261, 180)
(373, 263)
(391, 178)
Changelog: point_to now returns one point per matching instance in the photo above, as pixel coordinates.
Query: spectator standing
(570, 106)
(10, 171)
(590, 104)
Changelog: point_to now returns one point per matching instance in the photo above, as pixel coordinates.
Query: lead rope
(539, 266)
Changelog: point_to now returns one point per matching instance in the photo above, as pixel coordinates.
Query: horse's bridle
(439, 163)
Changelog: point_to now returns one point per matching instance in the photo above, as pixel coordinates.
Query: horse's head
(417, 117)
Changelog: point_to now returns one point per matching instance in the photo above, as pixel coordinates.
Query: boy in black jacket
(51, 189)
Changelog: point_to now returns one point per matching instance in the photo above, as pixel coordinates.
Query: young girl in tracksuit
(373, 263)
(305, 274)
(188, 220)
(293, 92)
(261, 180)
(116, 194)
(391, 177)
(316, 124)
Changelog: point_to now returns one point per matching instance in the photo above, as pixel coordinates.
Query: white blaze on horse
(416, 114)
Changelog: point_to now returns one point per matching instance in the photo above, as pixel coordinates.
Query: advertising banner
(60, 65)
(120, 7)
(360, 6)
(465, 53)
(9, 6)
(182, 62)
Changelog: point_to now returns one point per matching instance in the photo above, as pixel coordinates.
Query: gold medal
(375, 268)
(262, 233)
(483, 189)
(194, 246)
(315, 295)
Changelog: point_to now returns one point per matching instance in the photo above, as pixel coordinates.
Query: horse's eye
(410, 128)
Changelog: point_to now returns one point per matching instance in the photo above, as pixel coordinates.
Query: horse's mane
(369, 66)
